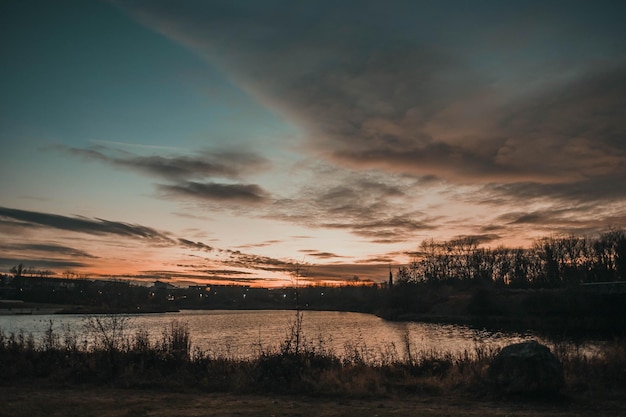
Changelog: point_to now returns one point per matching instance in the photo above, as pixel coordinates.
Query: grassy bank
(117, 360)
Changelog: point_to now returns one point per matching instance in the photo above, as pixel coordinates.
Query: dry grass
(50, 401)
(129, 375)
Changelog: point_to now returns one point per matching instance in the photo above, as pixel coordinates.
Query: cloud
(259, 245)
(341, 272)
(378, 260)
(264, 263)
(199, 278)
(571, 132)
(82, 225)
(320, 254)
(522, 103)
(371, 205)
(195, 245)
(47, 248)
(41, 263)
(391, 227)
(11, 227)
(377, 92)
(608, 188)
(562, 134)
(479, 239)
(248, 193)
(180, 170)
(222, 164)
(227, 272)
(580, 220)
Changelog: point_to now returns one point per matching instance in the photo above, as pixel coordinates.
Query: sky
(235, 141)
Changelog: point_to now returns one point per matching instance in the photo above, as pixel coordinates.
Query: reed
(117, 358)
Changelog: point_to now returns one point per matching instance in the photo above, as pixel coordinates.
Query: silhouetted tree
(18, 271)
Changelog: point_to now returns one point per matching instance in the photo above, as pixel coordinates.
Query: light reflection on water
(241, 334)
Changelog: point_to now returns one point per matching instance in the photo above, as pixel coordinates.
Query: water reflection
(243, 334)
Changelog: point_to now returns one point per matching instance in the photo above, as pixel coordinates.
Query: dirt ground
(32, 401)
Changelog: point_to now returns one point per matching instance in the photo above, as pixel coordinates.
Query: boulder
(527, 368)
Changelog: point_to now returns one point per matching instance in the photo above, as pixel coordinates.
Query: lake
(245, 333)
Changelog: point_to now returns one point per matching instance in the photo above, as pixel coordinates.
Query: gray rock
(527, 368)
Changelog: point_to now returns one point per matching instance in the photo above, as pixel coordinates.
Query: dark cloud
(571, 132)
(344, 272)
(371, 205)
(378, 260)
(83, 225)
(525, 218)
(232, 165)
(490, 228)
(320, 254)
(479, 239)
(185, 278)
(47, 248)
(449, 103)
(222, 164)
(392, 229)
(599, 189)
(195, 245)
(11, 227)
(568, 132)
(375, 91)
(579, 220)
(245, 193)
(226, 272)
(260, 245)
(264, 263)
(7, 263)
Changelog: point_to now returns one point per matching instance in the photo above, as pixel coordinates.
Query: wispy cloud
(259, 262)
(202, 277)
(82, 225)
(370, 205)
(347, 271)
(47, 248)
(117, 144)
(320, 254)
(235, 265)
(195, 245)
(6, 263)
(598, 189)
(249, 193)
(204, 164)
(232, 165)
(260, 245)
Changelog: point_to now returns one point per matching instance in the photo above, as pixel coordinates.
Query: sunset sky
(222, 141)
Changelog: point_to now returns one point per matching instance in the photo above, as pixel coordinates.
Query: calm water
(244, 333)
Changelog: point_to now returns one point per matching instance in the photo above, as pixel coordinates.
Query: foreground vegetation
(50, 401)
(114, 359)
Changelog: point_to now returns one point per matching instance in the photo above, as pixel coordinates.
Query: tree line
(550, 262)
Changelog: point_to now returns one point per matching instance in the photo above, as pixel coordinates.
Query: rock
(527, 368)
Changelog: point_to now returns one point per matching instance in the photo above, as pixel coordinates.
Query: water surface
(245, 333)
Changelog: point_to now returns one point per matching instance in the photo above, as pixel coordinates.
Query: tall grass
(116, 357)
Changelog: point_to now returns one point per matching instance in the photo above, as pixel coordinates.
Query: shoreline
(551, 326)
